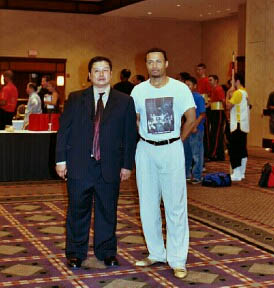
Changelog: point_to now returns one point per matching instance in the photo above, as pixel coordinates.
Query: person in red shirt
(8, 100)
(217, 119)
(204, 88)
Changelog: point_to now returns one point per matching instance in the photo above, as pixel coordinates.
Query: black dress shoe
(74, 263)
(111, 261)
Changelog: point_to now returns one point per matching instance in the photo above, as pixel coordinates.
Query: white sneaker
(236, 175)
(145, 262)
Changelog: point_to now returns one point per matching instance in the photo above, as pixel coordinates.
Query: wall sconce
(2, 79)
(60, 80)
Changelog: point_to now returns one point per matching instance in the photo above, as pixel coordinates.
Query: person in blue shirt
(193, 145)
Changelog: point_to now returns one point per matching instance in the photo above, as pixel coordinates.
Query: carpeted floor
(231, 245)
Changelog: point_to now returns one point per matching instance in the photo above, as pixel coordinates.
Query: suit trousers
(217, 134)
(160, 174)
(82, 193)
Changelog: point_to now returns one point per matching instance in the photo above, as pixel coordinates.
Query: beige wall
(259, 64)
(80, 37)
(241, 29)
(219, 40)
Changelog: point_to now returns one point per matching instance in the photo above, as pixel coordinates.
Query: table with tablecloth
(27, 155)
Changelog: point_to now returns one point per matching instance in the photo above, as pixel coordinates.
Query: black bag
(265, 175)
(218, 179)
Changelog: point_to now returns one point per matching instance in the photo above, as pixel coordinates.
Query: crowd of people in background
(211, 137)
(42, 99)
(223, 116)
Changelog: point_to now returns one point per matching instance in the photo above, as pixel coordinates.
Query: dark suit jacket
(117, 134)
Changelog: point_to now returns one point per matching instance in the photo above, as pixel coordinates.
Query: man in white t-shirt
(160, 103)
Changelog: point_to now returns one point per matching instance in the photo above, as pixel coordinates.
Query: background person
(204, 88)
(183, 76)
(52, 99)
(270, 106)
(8, 100)
(124, 85)
(217, 119)
(43, 90)
(137, 79)
(193, 145)
(34, 103)
(239, 127)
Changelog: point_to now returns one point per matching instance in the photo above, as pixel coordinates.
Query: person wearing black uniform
(43, 90)
(124, 86)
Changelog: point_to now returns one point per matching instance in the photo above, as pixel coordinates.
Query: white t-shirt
(161, 109)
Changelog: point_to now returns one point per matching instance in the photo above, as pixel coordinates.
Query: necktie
(98, 116)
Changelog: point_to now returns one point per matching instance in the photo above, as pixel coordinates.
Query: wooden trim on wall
(33, 64)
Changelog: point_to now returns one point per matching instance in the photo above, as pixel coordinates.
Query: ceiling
(188, 10)
(67, 6)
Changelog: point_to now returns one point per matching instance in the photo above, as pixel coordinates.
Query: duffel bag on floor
(263, 182)
(270, 182)
(218, 179)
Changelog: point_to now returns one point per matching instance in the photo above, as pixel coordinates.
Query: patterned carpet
(231, 245)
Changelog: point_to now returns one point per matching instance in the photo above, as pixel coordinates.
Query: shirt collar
(96, 92)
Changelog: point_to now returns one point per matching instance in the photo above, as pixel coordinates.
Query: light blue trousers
(194, 151)
(160, 174)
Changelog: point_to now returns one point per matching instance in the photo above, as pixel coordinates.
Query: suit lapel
(88, 102)
(112, 100)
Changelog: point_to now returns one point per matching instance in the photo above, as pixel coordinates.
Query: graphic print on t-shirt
(160, 115)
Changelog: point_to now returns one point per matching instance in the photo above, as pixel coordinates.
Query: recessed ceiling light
(209, 13)
(228, 9)
(178, 5)
(201, 15)
(218, 11)
(149, 12)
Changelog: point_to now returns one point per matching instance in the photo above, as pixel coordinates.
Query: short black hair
(201, 65)
(215, 77)
(47, 77)
(155, 49)
(125, 73)
(192, 79)
(240, 77)
(140, 77)
(184, 76)
(32, 85)
(99, 59)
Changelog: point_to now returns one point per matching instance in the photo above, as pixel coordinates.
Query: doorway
(31, 70)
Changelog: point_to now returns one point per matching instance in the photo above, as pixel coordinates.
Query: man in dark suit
(94, 174)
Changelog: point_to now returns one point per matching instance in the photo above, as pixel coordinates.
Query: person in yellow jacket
(239, 127)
